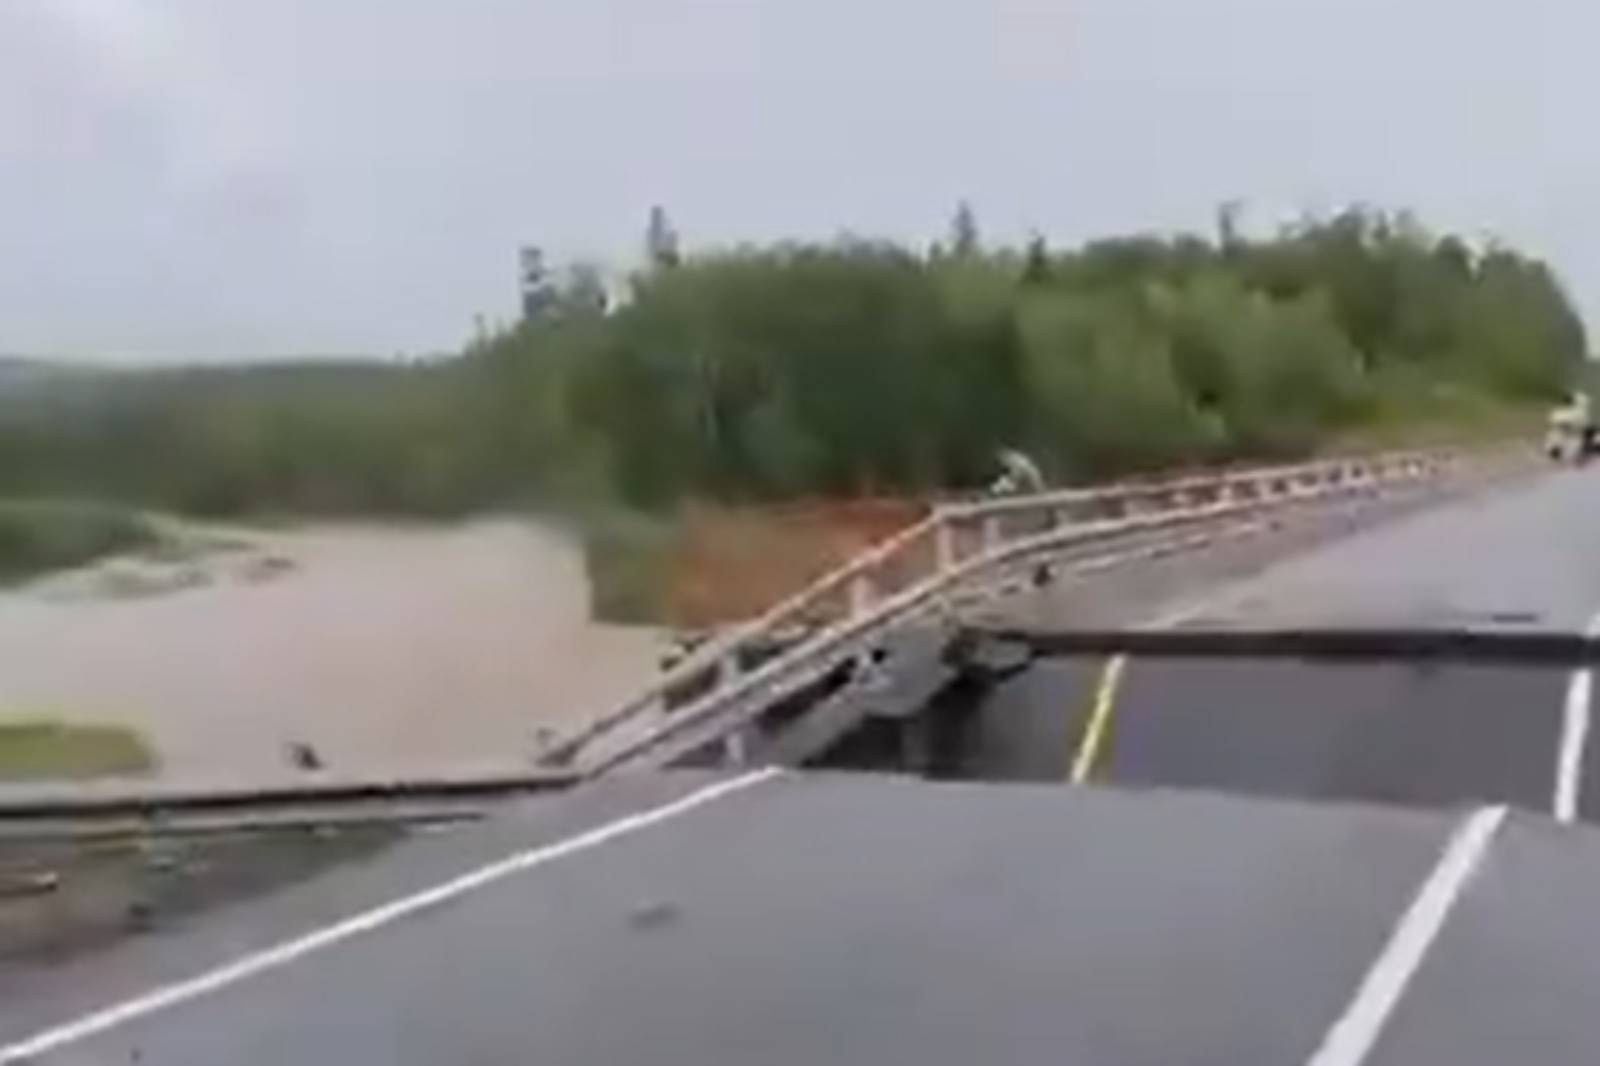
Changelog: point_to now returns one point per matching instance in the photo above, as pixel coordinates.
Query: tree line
(847, 367)
(862, 366)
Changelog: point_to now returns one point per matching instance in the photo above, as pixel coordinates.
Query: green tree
(1036, 264)
(661, 240)
(964, 241)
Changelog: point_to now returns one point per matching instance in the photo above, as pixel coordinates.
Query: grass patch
(1427, 415)
(37, 749)
(37, 536)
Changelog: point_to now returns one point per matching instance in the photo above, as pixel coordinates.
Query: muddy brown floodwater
(386, 649)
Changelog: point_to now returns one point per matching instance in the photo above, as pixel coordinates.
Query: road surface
(1197, 909)
(795, 919)
(1431, 734)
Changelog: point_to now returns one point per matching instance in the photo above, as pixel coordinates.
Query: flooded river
(385, 649)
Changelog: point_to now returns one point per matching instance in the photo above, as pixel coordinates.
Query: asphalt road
(857, 920)
(797, 919)
(1194, 909)
(1424, 734)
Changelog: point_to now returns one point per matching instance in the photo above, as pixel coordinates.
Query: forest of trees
(861, 366)
(842, 368)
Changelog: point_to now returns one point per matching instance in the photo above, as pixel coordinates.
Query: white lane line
(365, 922)
(1352, 1036)
(1574, 734)
(1574, 737)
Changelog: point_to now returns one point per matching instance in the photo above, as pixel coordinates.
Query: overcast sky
(223, 178)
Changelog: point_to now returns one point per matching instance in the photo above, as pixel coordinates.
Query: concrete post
(863, 591)
(944, 547)
(737, 747)
(727, 668)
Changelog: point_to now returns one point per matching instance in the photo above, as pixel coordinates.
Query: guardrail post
(862, 592)
(736, 747)
(944, 547)
(991, 533)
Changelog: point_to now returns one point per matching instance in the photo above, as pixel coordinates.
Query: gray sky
(213, 178)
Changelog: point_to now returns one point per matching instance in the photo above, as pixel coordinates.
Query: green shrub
(628, 557)
(33, 748)
(37, 536)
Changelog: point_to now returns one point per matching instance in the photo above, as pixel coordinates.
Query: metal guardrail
(162, 803)
(919, 569)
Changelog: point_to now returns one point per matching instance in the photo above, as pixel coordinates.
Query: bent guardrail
(722, 685)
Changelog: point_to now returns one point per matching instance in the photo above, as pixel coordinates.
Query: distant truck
(1571, 435)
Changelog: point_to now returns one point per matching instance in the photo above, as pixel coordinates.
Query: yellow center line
(1094, 734)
